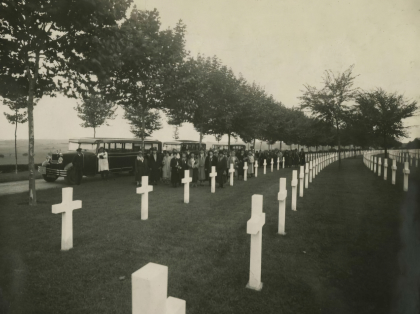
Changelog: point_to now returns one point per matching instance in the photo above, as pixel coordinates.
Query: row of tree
(95, 51)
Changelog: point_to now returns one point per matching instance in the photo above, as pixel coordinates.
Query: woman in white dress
(166, 169)
(103, 167)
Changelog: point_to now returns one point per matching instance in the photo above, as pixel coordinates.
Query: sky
(279, 44)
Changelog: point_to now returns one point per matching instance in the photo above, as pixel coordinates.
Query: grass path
(341, 254)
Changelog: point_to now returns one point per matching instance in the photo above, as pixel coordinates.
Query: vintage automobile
(122, 153)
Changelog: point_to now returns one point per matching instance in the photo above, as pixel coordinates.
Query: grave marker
(282, 164)
(374, 164)
(65, 208)
(310, 171)
(394, 170)
(149, 289)
(406, 172)
(272, 164)
(231, 172)
(282, 196)
(294, 189)
(245, 170)
(186, 181)
(301, 177)
(306, 175)
(254, 228)
(213, 175)
(256, 168)
(379, 166)
(278, 163)
(265, 166)
(144, 191)
(385, 168)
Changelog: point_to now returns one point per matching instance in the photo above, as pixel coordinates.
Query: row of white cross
(257, 221)
(375, 164)
(149, 284)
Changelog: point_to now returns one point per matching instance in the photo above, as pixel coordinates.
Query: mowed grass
(340, 253)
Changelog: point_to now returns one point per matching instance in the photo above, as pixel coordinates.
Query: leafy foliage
(95, 111)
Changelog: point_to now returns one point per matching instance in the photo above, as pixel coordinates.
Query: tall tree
(95, 111)
(176, 132)
(331, 102)
(44, 39)
(146, 67)
(142, 123)
(17, 117)
(384, 113)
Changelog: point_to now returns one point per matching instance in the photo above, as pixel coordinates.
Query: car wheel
(71, 176)
(49, 179)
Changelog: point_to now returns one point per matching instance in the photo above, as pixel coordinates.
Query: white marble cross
(301, 177)
(282, 196)
(186, 181)
(314, 168)
(379, 166)
(394, 170)
(374, 164)
(385, 168)
(406, 172)
(65, 208)
(231, 172)
(256, 168)
(265, 165)
(278, 163)
(294, 189)
(272, 164)
(282, 164)
(254, 228)
(310, 171)
(144, 191)
(149, 290)
(213, 175)
(245, 170)
(306, 175)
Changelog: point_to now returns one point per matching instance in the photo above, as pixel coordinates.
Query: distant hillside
(42, 148)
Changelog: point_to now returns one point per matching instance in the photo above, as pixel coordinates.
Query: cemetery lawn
(341, 254)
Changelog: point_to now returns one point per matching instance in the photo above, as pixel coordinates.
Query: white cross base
(245, 170)
(265, 166)
(213, 175)
(231, 172)
(66, 208)
(254, 228)
(149, 286)
(186, 181)
(256, 168)
(144, 191)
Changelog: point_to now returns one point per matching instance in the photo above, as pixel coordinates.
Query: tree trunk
(228, 141)
(339, 144)
(94, 132)
(385, 145)
(254, 144)
(31, 154)
(280, 145)
(16, 112)
(143, 127)
(201, 136)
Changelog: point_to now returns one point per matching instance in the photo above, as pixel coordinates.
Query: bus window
(128, 147)
(136, 147)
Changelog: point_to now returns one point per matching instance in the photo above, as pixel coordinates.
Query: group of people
(170, 167)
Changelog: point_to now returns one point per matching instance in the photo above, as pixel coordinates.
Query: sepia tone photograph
(191, 156)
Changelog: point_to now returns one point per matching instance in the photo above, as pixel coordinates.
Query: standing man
(221, 168)
(78, 165)
(155, 164)
(302, 157)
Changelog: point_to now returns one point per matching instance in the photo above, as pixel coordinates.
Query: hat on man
(78, 150)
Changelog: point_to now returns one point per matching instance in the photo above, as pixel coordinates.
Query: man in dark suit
(78, 166)
(155, 164)
(141, 168)
(210, 161)
(302, 157)
(221, 168)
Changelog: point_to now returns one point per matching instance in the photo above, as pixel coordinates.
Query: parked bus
(122, 154)
(232, 146)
